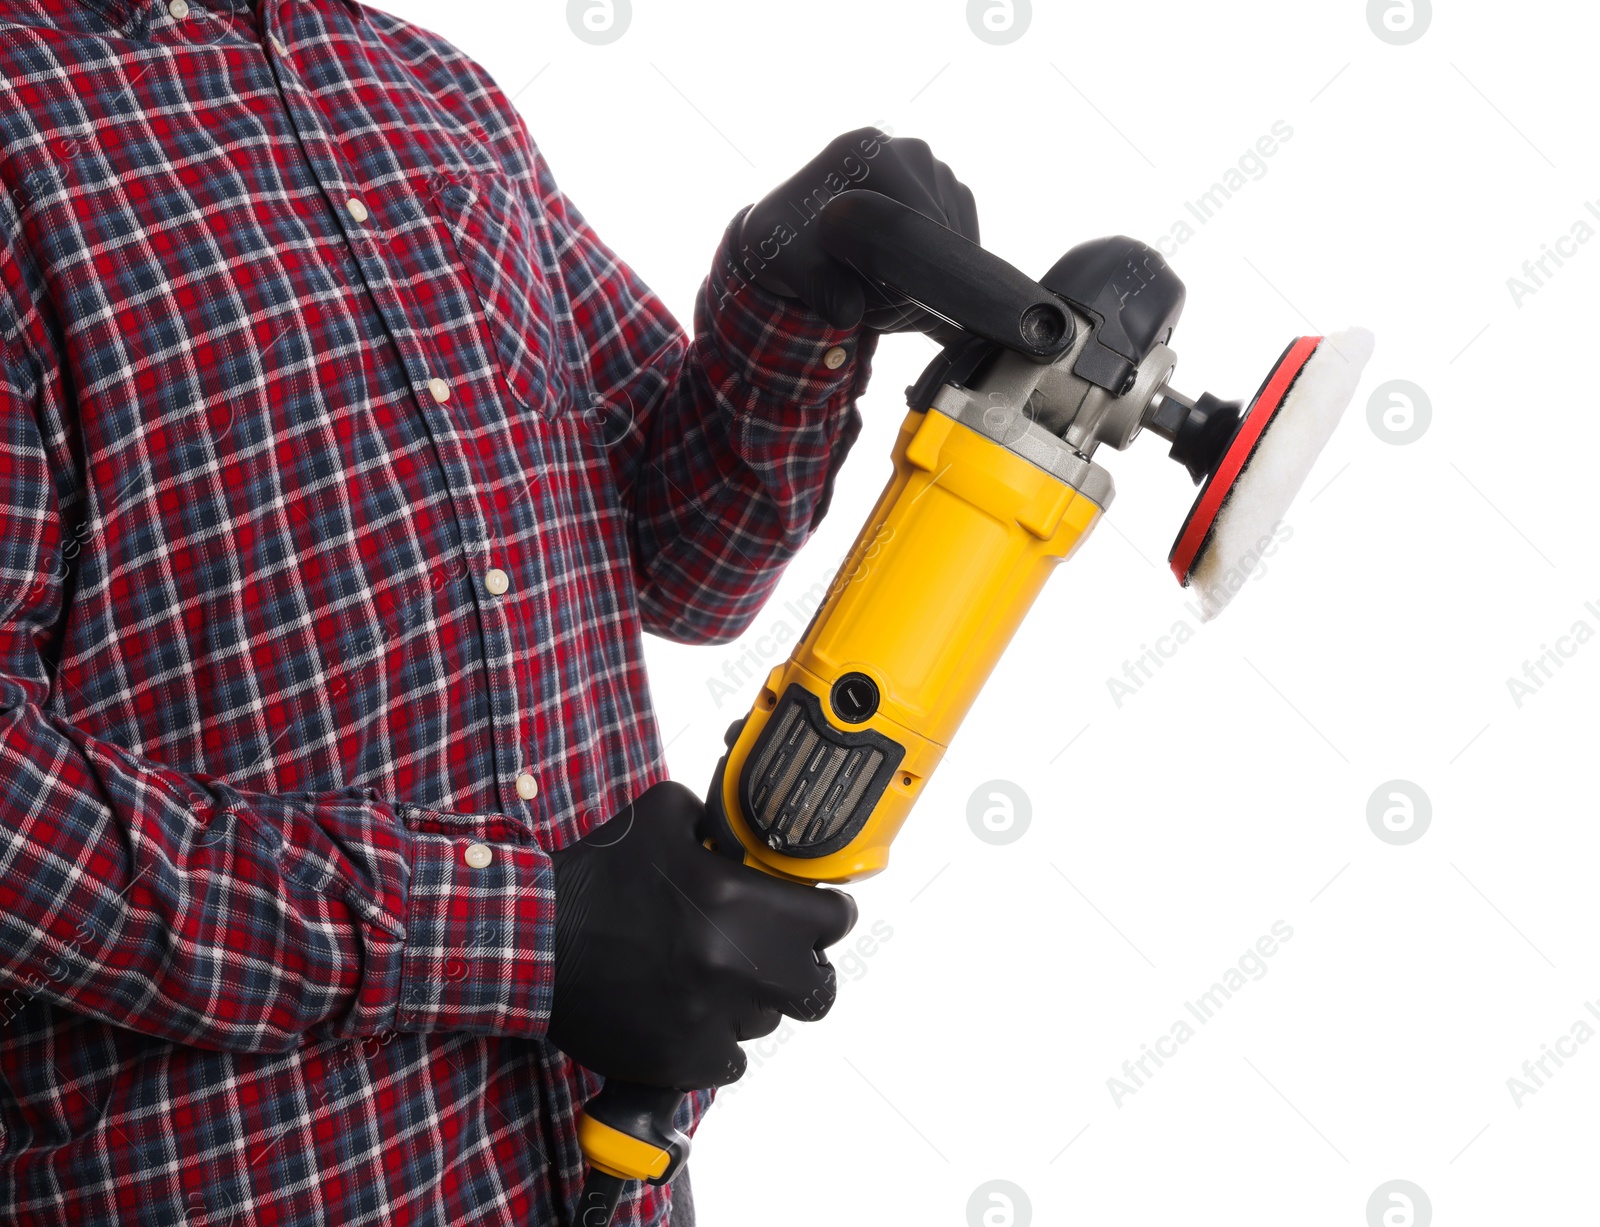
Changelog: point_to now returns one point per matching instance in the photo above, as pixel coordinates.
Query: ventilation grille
(808, 787)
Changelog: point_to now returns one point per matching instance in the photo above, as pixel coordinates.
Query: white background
(1231, 790)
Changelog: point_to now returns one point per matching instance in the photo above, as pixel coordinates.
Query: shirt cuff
(480, 938)
(777, 346)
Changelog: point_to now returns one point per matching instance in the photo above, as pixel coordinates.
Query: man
(341, 470)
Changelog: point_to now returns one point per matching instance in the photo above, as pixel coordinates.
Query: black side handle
(642, 1112)
(899, 249)
(646, 1113)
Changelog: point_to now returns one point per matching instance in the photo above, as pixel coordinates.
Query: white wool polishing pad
(1278, 440)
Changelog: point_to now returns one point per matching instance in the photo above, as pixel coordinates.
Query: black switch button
(854, 698)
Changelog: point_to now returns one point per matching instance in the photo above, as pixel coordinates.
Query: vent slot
(808, 787)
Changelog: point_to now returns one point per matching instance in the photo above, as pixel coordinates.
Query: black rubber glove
(781, 230)
(667, 955)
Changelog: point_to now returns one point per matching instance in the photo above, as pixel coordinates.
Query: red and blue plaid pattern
(342, 469)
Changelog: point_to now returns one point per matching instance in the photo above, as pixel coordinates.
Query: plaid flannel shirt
(342, 469)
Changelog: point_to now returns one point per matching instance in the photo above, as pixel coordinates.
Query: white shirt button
(277, 44)
(179, 9)
(478, 856)
(835, 358)
(496, 581)
(439, 389)
(358, 209)
(527, 786)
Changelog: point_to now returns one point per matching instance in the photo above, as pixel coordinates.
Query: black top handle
(898, 249)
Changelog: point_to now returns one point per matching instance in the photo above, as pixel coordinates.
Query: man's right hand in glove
(667, 955)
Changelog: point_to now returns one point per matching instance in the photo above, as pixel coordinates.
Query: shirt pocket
(508, 264)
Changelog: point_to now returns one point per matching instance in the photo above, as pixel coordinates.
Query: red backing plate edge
(1206, 509)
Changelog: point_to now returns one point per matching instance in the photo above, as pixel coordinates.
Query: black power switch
(854, 698)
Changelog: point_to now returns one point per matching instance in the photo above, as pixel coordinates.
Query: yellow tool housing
(948, 564)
